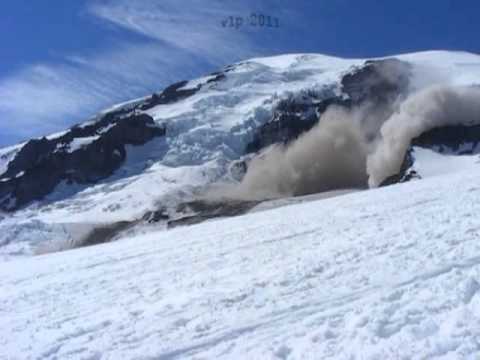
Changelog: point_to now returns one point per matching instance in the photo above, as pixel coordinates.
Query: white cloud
(181, 40)
(194, 25)
(48, 97)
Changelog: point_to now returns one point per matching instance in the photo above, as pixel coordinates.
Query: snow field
(391, 273)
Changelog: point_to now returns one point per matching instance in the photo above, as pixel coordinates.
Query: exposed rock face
(457, 140)
(84, 154)
(405, 173)
(378, 82)
(197, 211)
(155, 216)
(290, 119)
(171, 94)
(176, 92)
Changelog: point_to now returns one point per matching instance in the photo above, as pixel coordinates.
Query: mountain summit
(255, 131)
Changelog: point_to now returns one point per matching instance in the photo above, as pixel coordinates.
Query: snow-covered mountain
(149, 159)
(322, 259)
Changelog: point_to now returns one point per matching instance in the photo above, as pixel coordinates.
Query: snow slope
(390, 273)
(429, 163)
(205, 133)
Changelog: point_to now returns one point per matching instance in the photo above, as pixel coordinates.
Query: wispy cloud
(193, 26)
(181, 40)
(47, 97)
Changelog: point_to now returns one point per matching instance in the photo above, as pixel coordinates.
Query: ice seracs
(213, 126)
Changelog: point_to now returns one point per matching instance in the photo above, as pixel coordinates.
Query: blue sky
(63, 61)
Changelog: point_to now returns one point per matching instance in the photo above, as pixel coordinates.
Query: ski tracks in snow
(391, 273)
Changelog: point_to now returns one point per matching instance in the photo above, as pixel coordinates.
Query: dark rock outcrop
(405, 173)
(156, 216)
(170, 95)
(177, 92)
(197, 211)
(88, 152)
(290, 120)
(84, 154)
(457, 139)
(453, 139)
(378, 82)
